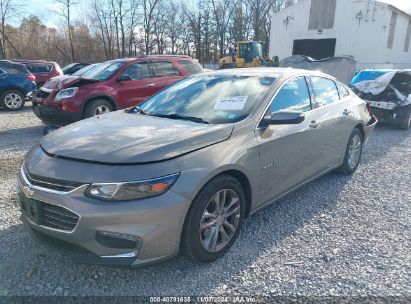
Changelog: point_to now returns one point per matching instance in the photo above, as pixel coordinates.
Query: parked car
(389, 97)
(181, 172)
(43, 70)
(111, 85)
(15, 83)
(73, 67)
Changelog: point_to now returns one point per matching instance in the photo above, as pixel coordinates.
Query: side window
(137, 71)
(190, 66)
(342, 90)
(164, 68)
(325, 91)
(293, 96)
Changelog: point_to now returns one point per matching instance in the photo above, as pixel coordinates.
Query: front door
(288, 152)
(135, 85)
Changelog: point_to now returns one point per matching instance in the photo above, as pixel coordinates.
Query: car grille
(50, 183)
(58, 217)
(48, 215)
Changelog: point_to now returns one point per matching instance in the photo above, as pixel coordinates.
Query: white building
(375, 33)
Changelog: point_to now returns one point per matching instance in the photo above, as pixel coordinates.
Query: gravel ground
(337, 236)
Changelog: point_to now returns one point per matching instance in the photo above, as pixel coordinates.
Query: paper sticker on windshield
(230, 103)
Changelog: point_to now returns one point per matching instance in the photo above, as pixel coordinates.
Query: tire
(405, 122)
(12, 100)
(350, 165)
(194, 240)
(92, 108)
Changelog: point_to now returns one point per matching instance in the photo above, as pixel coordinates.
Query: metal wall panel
(391, 34)
(322, 14)
(408, 37)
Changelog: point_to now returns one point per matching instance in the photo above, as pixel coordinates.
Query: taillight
(368, 108)
(31, 77)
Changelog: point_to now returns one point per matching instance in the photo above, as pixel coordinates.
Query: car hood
(66, 81)
(121, 138)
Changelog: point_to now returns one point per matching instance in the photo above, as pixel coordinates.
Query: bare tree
(223, 13)
(9, 9)
(65, 12)
(149, 7)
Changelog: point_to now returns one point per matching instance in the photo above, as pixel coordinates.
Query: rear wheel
(353, 153)
(405, 122)
(97, 107)
(12, 100)
(214, 220)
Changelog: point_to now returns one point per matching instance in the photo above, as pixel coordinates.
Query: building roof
(401, 5)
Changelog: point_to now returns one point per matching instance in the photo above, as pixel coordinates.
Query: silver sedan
(180, 172)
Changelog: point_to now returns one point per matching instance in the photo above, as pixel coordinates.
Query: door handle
(314, 124)
(347, 112)
(151, 85)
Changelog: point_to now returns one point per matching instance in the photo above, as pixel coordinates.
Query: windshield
(68, 67)
(84, 70)
(209, 99)
(104, 70)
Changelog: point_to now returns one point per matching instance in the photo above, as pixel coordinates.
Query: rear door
(288, 153)
(165, 74)
(333, 119)
(138, 87)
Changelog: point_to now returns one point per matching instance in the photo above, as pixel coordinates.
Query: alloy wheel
(354, 152)
(102, 109)
(13, 101)
(219, 220)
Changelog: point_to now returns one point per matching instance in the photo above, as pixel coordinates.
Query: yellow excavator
(247, 54)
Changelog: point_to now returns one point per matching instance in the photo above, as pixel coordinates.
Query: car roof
(25, 61)
(268, 71)
(151, 57)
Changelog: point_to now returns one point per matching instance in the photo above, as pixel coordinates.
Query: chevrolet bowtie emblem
(27, 191)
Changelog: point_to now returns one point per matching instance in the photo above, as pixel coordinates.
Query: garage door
(315, 48)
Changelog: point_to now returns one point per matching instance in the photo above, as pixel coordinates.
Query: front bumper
(155, 224)
(52, 115)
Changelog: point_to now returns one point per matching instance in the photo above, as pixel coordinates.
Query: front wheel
(12, 100)
(97, 107)
(353, 153)
(214, 220)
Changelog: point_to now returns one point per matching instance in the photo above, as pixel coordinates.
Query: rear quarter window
(342, 90)
(164, 68)
(190, 66)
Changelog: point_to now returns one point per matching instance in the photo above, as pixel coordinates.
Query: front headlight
(131, 190)
(66, 93)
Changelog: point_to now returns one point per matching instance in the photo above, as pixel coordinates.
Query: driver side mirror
(124, 77)
(284, 118)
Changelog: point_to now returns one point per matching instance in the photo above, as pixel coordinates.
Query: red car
(43, 70)
(109, 86)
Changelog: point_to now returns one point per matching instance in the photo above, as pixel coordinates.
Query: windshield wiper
(181, 117)
(137, 109)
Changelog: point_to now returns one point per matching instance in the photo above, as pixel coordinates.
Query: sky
(44, 9)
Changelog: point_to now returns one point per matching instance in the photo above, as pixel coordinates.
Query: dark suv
(43, 70)
(15, 83)
(111, 85)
